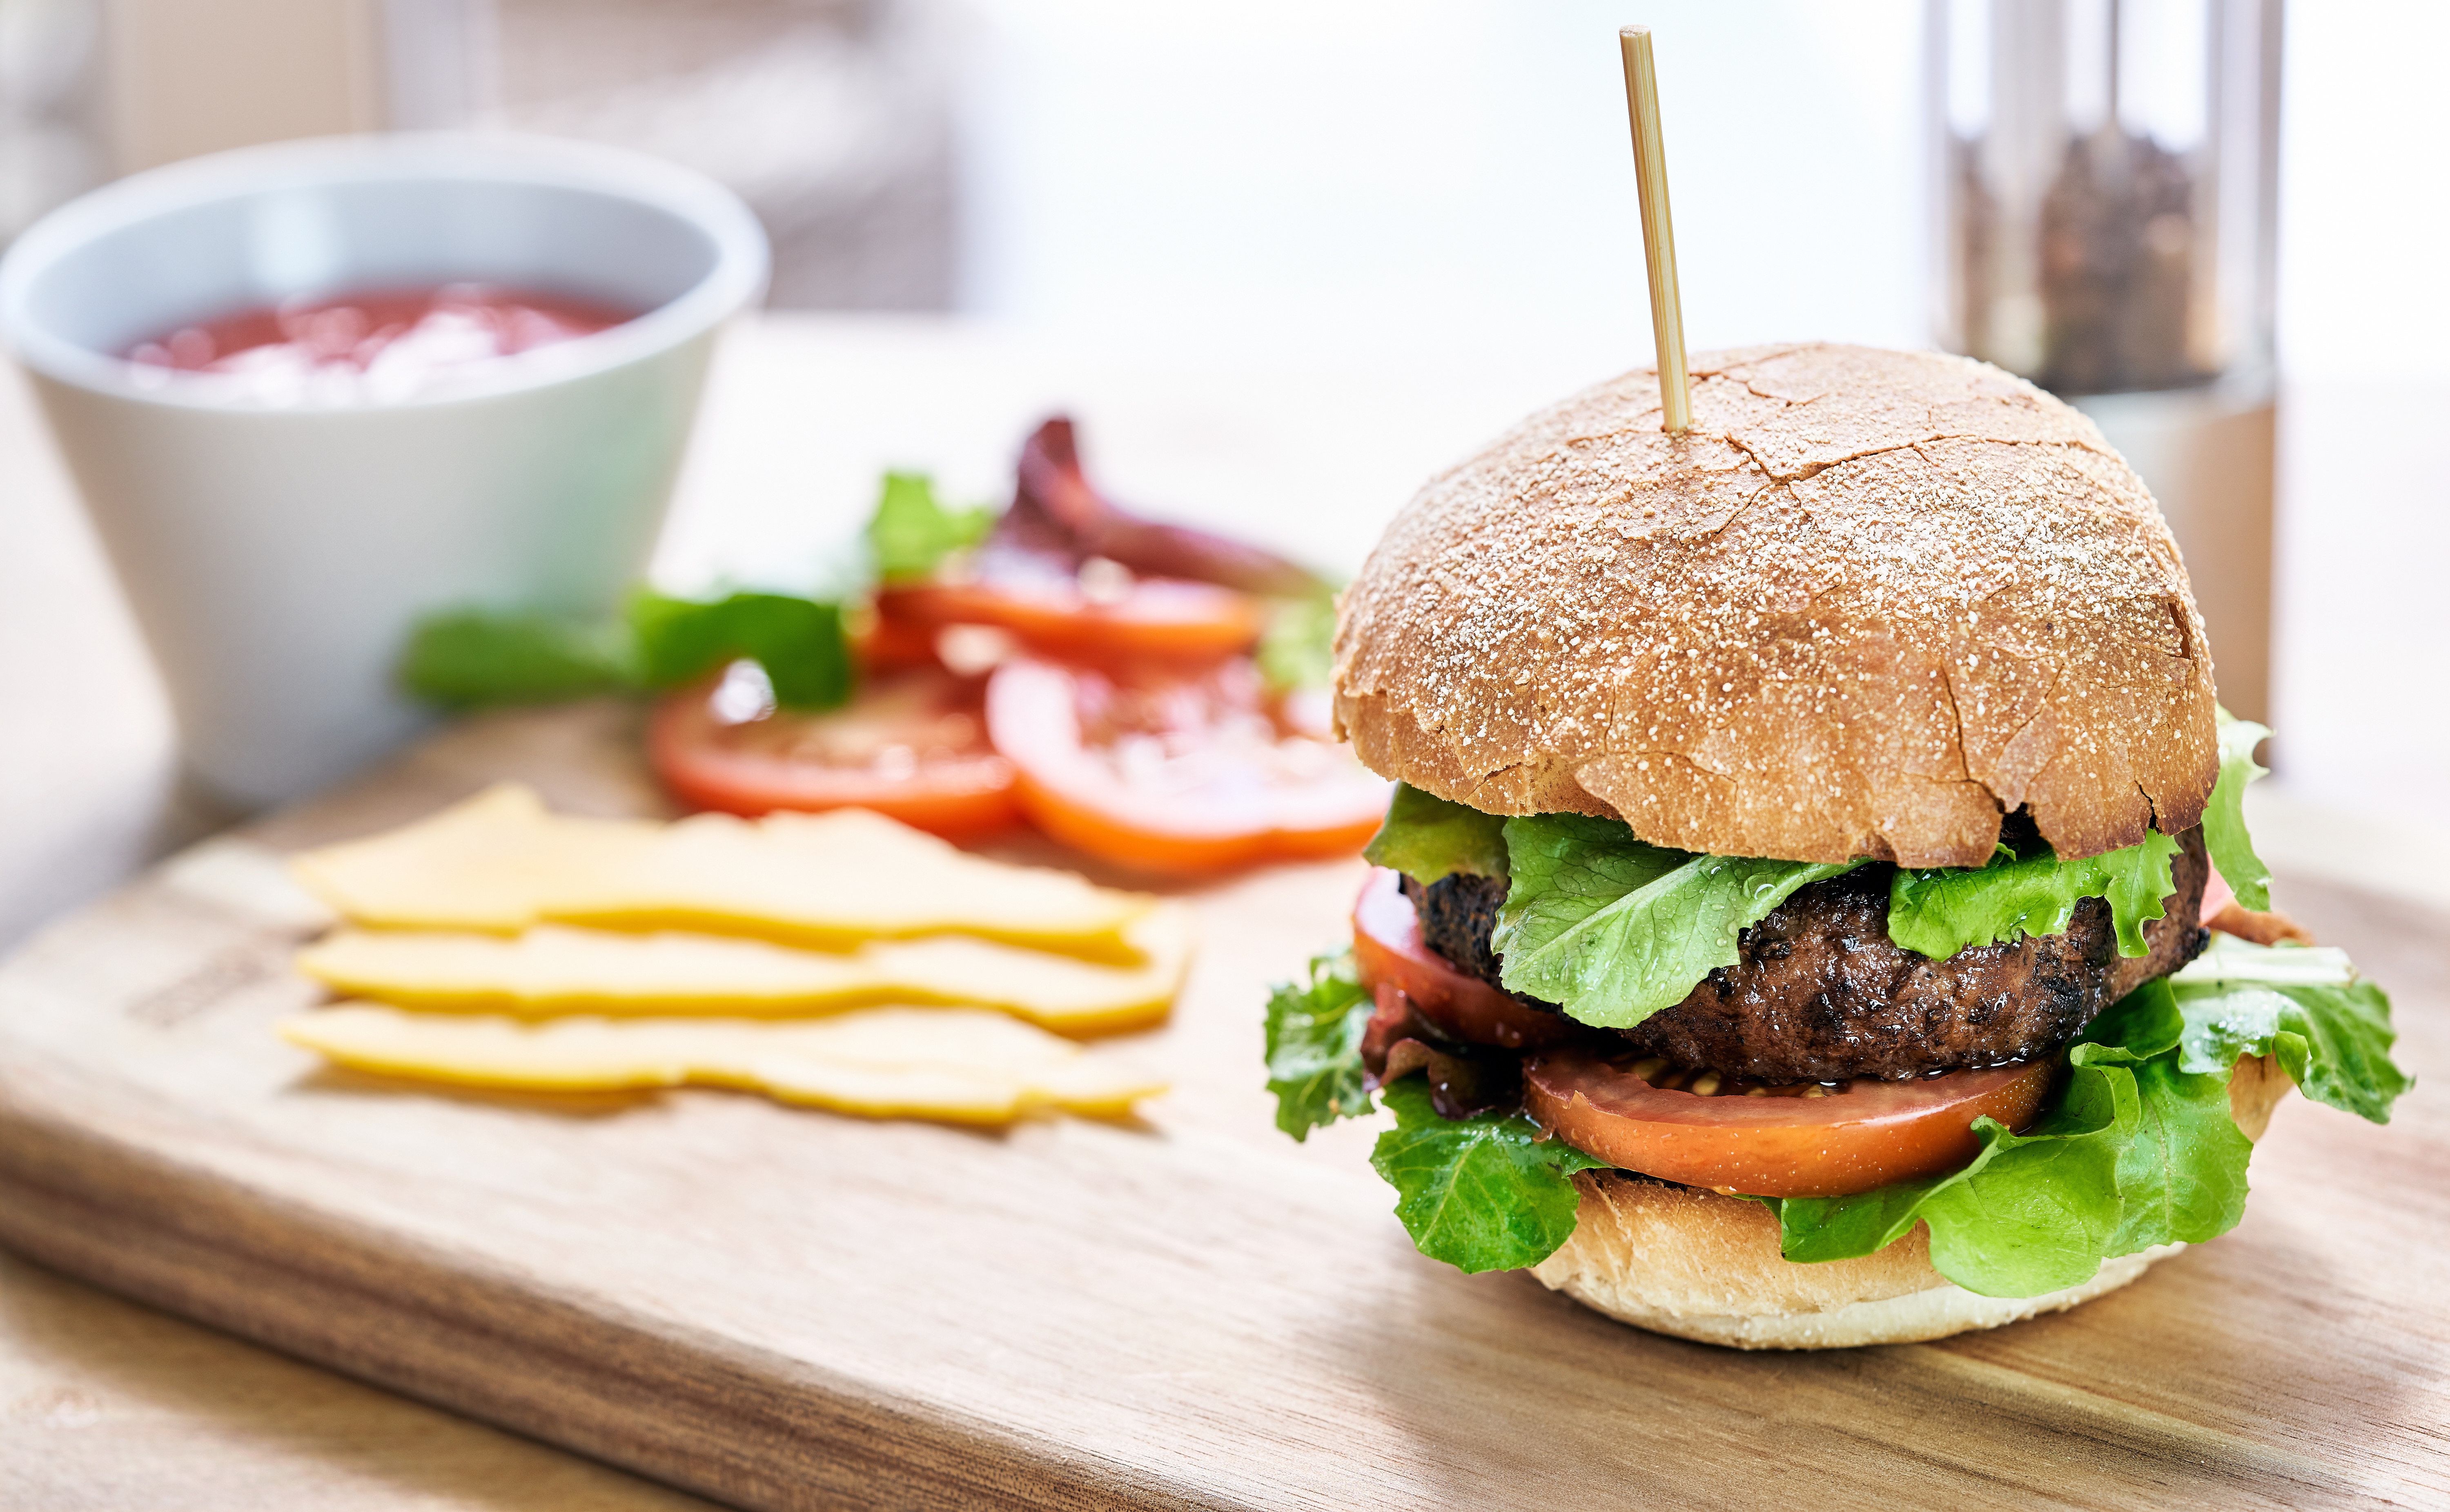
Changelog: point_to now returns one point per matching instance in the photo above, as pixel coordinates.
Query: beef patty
(1817, 992)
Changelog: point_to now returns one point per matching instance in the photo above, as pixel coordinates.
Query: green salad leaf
(912, 533)
(1613, 930)
(1314, 1046)
(2139, 1148)
(472, 659)
(1486, 1192)
(1938, 911)
(2225, 836)
(1427, 838)
(798, 641)
(2120, 1162)
(1297, 650)
(2181, 1176)
(2329, 1027)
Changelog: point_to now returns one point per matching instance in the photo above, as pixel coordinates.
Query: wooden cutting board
(783, 1308)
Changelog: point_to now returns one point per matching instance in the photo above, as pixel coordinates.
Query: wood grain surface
(785, 1309)
(106, 1406)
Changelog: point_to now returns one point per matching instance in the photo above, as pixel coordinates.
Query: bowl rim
(736, 280)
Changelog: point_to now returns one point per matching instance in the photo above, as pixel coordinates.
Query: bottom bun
(1694, 1264)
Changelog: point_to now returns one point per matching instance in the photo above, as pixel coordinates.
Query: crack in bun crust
(1871, 603)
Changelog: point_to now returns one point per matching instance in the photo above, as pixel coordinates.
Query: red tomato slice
(881, 644)
(1185, 774)
(1388, 947)
(912, 746)
(1784, 1142)
(1164, 617)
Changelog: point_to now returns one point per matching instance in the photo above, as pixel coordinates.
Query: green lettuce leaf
(1297, 650)
(1938, 911)
(798, 641)
(2330, 1028)
(2183, 1174)
(470, 658)
(1314, 1046)
(2133, 1152)
(1613, 930)
(2225, 836)
(1481, 1193)
(2032, 1213)
(474, 658)
(2140, 1148)
(911, 533)
(1426, 838)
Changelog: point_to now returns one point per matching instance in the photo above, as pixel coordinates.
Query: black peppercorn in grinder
(2105, 226)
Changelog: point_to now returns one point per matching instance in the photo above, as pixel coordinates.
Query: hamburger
(1816, 907)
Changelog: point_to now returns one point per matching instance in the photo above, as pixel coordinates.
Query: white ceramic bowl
(276, 558)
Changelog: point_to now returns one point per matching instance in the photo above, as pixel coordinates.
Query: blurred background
(1342, 189)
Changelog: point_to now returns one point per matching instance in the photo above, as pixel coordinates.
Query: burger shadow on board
(340, 1080)
(1022, 847)
(598, 1105)
(1509, 1393)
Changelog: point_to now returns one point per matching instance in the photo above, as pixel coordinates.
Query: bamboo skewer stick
(1658, 231)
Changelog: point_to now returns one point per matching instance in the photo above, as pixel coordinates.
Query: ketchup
(382, 345)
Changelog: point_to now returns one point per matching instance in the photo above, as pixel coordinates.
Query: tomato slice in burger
(1185, 773)
(1111, 616)
(1810, 1141)
(1388, 949)
(911, 746)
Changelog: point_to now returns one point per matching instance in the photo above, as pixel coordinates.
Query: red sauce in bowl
(382, 345)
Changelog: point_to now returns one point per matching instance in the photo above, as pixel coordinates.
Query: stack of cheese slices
(842, 959)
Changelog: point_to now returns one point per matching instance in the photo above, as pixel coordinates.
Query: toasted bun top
(1870, 603)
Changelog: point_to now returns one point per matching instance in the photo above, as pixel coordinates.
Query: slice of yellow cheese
(965, 1066)
(556, 969)
(499, 862)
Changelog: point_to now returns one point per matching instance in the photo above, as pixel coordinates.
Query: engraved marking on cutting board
(262, 956)
(235, 880)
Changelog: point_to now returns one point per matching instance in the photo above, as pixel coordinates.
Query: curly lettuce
(1315, 1030)
(1613, 930)
(1429, 837)
(1488, 1193)
(1297, 650)
(2139, 1148)
(1938, 911)
(2225, 836)
(2306, 1004)
(912, 532)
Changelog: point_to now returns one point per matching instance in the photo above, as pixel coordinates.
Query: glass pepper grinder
(2105, 225)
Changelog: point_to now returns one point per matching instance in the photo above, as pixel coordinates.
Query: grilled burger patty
(1818, 993)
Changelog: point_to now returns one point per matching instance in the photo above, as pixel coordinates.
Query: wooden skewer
(1658, 232)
